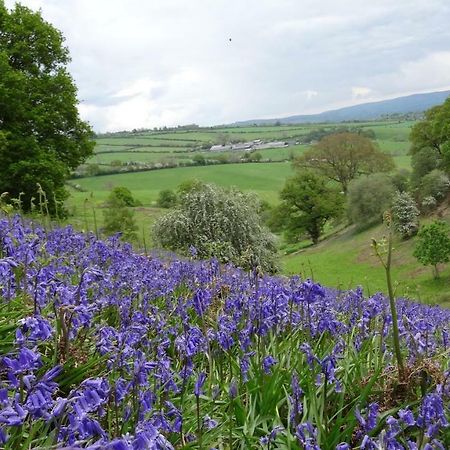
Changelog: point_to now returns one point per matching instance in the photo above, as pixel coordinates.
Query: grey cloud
(140, 63)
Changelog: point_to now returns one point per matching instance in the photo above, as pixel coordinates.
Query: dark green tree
(119, 218)
(430, 142)
(433, 245)
(42, 137)
(124, 194)
(308, 202)
(368, 198)
(199, 159)
(167, 199)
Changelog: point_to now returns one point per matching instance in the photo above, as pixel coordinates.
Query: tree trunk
(435, 272)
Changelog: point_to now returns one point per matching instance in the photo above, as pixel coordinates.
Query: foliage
(320, 133)
(199, 159)
(189, 186)
(401, 180)
(405, 214)
(167, 199)
(105, 348)
(343, 157)
(434, 184)
(368, 198)
(433, 245)
(423, 161)
(433, 132)
(308, 203)
(218, 223)
(124, 194)
(42, 136)
(256, 156)
(118, 217)
(430, 142)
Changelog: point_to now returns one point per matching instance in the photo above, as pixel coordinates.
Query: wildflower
(209, 423)
(267, 364)
(233, 390)
(198, 388)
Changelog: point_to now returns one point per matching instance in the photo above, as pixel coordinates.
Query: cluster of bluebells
(150, 335)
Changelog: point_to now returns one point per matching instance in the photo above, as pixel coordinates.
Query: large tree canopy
(41, 134)
(430, 141)
(308, 202)
(342, 157)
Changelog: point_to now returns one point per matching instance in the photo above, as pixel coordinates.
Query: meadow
(342, 261)
(183, 145)
(109, 349)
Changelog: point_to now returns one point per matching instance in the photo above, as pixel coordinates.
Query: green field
(266, 179)
(344, 260)
(180, 146)
(347, 260)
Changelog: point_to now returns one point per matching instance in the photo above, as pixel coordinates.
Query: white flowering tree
(218, 223)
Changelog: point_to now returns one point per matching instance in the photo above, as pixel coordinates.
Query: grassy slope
(266, 179)
(346, 260)
(342, 261)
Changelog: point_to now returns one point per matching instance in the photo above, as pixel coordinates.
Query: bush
(167, 199)
(218, 223)
(124, 194)
(405, 215)
(433, 245)
(400, 180)
(368, 198)
(199, 159)
(118, 218)
(434, 184)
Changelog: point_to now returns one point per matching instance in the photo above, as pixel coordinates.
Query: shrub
(433, 245)
(434, 184)
(167, 199)
(218, 223)
(368, 198)
(119, 218)
(308, 203)
(405, 214)
(124, 194)
(400, 180)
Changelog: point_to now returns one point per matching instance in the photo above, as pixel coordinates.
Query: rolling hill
(415, 103)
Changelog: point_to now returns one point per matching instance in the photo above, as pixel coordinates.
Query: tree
(405, 214)
(433, 245)
(434, 184)
(188, 186)
(308, 202)
(42, 135)
(199, 159)
(218, 223)
(125, 195)
(167, 199)
(341, 157)
(368, 198)
(433, 132)
(118, 218)
(256, 157)
(430, 142)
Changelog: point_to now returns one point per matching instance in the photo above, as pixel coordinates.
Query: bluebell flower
(233, 389)
(209, 423)
(198, 388)
(267, 364)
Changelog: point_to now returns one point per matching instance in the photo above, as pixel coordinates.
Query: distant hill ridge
(415, 103)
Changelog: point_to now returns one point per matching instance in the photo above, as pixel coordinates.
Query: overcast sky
(146, 63)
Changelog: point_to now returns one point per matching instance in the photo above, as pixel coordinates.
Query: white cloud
(360, 92)
(140, 63)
